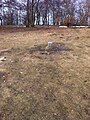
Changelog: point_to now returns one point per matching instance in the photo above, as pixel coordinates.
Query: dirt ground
(37, 83)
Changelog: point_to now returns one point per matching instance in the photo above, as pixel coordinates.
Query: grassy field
(41, 84)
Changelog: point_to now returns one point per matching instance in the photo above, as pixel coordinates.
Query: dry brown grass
(35, 86)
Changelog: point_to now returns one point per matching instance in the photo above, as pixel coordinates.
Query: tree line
(43, 12)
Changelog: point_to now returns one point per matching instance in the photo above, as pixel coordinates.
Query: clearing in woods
(41, 83)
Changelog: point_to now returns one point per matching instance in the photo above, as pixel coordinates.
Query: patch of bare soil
(44, 74)
(52, 49)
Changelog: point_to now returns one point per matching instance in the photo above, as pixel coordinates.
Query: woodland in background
(43, 12)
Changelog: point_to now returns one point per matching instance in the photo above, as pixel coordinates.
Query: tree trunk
(32, 14)
(28, 15)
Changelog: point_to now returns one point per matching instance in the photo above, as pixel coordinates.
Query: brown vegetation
(37, 86)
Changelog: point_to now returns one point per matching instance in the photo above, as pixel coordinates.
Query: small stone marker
(50, 44)
(48, 47)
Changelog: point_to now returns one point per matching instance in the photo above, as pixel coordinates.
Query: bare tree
(31, 12)
(88, 11)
